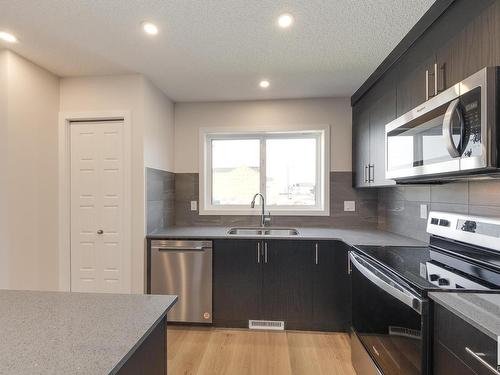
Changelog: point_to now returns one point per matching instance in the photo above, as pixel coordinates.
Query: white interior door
(97, 202)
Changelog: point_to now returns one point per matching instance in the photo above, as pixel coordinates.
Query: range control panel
(447, 279)
(474, 230)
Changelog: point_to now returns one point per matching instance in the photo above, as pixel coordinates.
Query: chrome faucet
(265, 220)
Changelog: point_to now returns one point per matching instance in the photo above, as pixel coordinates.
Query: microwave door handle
(401, 294)
(447, 128)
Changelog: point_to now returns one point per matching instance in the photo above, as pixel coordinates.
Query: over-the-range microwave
(453, 135)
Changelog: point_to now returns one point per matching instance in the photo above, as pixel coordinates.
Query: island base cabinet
(151, 355)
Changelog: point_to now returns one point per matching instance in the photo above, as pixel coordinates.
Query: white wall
(4, 269)
(29, 168)
(158, 129)
(272, 114)
(152, 138)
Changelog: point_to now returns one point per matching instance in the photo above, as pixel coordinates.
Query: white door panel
(97, 186)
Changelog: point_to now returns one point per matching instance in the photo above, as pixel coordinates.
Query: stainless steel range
(391, 312)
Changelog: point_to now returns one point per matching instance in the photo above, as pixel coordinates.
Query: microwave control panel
(471, 113)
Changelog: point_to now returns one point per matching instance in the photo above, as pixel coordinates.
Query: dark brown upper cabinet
(461, 41)
(471, 49)
(382, 113)
(370, 116)
(361, 145)
(416, 83)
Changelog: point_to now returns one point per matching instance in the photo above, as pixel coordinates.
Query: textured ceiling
(215, 49)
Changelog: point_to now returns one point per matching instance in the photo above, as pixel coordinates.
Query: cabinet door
(331, 287)
(382, 112)
(411, 88)
(472, 43)
(361, 145)
(237, 282)
(454, 337)
(287, 282)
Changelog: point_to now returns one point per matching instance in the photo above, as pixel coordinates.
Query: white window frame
(321, 133)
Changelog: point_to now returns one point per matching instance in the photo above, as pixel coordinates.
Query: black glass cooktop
(409, 263)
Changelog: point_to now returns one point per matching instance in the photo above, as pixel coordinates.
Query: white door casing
(95, 196)
(96, 206)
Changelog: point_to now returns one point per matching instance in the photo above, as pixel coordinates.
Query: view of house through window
(286, 167)
(235, 170)
(291, 171)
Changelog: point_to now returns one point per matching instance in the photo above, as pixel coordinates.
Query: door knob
(100, 231)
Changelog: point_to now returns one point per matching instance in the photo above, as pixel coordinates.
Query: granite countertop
(350, 236)
(482, 310)
(74, 333)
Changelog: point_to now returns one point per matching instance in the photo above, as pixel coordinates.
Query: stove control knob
(434, 277)
(443, 282)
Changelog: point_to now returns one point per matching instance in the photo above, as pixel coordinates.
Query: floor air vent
(266, 324)
(404, 332)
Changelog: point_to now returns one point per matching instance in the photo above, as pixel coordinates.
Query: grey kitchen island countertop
(350, 236)
(481, 310)
(74, 333)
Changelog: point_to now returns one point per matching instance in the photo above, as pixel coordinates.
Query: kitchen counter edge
(352, 237)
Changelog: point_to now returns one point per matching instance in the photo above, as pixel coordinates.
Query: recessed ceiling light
(150, 28)
(285, 20)
(7, 37)
(264, 84)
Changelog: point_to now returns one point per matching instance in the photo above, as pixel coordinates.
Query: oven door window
(389, 329)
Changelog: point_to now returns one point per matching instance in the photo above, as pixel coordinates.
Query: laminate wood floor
(214, 351)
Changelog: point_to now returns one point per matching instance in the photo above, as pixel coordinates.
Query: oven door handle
(387, 284)
(448, 130)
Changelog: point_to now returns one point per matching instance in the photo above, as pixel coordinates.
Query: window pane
(291, 171)
(235, 171)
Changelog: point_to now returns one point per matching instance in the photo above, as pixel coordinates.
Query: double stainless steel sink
(263, 231)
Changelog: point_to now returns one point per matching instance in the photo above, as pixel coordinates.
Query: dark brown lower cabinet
(287, 282)
(237, 282)
(151, 356)
(460, 348)
(331, 287)
(301, 282)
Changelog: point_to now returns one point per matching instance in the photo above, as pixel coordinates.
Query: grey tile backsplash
(399, 207)
(395, 209)
(160, 200)
(365, 216)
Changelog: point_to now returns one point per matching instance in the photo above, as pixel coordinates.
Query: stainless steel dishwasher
(184, 268)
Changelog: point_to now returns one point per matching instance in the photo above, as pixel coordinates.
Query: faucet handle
(267, 219)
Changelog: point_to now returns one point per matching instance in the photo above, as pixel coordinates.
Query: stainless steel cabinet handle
(366, 174)
(316, 258)
(265, 252)
(435, 79)
(479, 358)
(427, 76)
(426, 84)
(258, 252)
(100, 231)
(371, 176)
